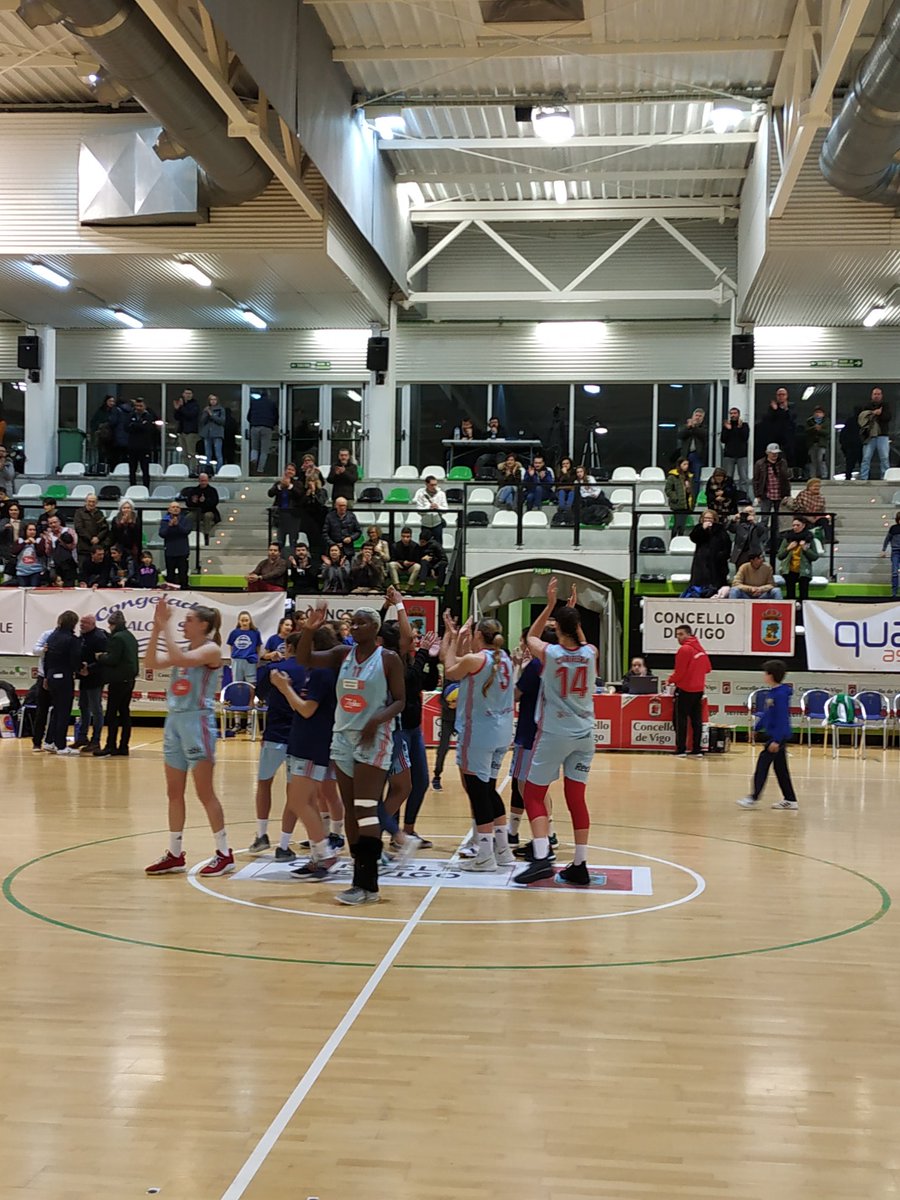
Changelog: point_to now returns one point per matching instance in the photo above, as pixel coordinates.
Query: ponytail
(212, 619)
(492, 636)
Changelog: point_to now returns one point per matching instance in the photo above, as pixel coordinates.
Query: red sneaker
(169, 864)
(219, 864)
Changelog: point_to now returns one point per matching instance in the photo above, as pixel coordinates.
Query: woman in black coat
(709, 568)
(62, 662)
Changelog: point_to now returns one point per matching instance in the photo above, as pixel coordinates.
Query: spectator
(304, 572)
(142, 435)
(125, 532)
(343, 477)
(405, 559)
(118, 422)
(431, 501)
(119, 664)
(538, 481)
(565, 480)
(30, 557)
(751, 539)
(433, 560)
(494, 433)
(693, 440)
(10, 530)
(313, 513)
(771, 479)
(851, 443)
(466, 431)
(378, 544)
(39, 741)
(4, 501)
(146, 574)
(778, 425)
(637, 669)
(211, 427)
(262, 417)
(175, 529)
(62, 662)
(509, 472)
(587, 484)
(90, 686)
(892, 539)
(721, 496)
(48, 511)
(335, 573)
(754, 580)
(7, 471)
(96, 570)
(269, 575)
(735, 437)
(276, 648)
(103, 435)
(91, 528)
(796, 554)
(310, 470)
(818, 441)
(245, 641)
(692, 665)
(202, 500)
(811, 502)
(62, 565)
(287, 495)
(186, 415)
(680, 494)
(341, 528)
(366, 571)
(709, 567)
(875, 429)
(119, 567)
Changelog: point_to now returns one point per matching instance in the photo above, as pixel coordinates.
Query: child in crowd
(775, 724)
(146, 576)
(245, 641)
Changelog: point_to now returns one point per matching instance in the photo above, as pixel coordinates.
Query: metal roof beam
(547, 47)
(591, 142)
(570, 175)
(52, 59)
(470, 298)
(443, 213)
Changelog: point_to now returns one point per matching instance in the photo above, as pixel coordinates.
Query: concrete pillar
(381, 418)
(41, 415)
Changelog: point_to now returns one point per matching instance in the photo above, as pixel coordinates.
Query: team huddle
(345, 721)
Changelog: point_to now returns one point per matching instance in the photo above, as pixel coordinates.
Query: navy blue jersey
(280, 715)
(245, 643)
(529, 685)
(310, 737)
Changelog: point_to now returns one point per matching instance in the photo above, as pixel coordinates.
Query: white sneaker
(48, 748)
(747, 802)
(68, 750)
(407, 849)
(785, 804)
(480, 864)
(505, 858)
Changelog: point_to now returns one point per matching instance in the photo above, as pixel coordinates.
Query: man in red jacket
(692, 665)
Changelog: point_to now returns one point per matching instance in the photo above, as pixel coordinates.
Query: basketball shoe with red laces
(169, 864)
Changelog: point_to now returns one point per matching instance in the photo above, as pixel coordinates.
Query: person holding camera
(735, 438)
(751, 539)
(875, 428)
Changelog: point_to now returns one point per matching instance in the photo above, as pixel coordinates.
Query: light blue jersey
(362, 690)
(189, 735)
(191, 689)
(484, 715)
(566, 700)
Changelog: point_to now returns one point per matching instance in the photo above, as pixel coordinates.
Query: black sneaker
(436, 785)
(259, 844)
(575, 873)
(526, 852)
(306, 845)
(541, 868)
(106, 752)
(282, 855)
(554, 841)
(513, 839)
(335, 841)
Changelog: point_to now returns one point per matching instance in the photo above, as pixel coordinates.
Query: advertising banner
(12, 620)
(852, 637)
(422, 611)
(723, 626)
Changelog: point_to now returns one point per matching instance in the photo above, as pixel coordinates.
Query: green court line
(881, 911)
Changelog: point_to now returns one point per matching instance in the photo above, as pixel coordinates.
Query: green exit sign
(322, 364)
(836, 362)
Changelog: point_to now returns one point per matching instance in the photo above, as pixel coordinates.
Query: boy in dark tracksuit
(892, 540)
(775, 724)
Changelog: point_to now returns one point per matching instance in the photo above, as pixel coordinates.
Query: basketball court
(714, 1017)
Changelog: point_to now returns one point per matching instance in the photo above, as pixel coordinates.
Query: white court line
(266, 1143)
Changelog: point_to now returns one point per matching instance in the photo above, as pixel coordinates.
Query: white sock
(501, 837)
(262, 827)
(541, 847)
(580, 855)
(485, 844)
(336, 827)
(514, 821)
(321, 849)
(221, 841)
(175, 844)
(285, 840)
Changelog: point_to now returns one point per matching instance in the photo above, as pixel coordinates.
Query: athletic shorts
(521, 760)
(347, 749)
(482, 761)
(304, 768)
(400, 755)
(271, 757)
(189, 738)
(555, 752)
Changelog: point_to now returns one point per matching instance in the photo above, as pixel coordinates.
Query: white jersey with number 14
(566, 702)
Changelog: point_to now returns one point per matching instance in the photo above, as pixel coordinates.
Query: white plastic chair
(121, 471)
(653, 475)
(154, 470)
(652, 521)
(651, 498)
(164, 491)
(413, 520)
(503, 520)
(174, 471)
(621, 496)
(624, 475)
(406, 473)
(481, 495)
(621, 520)
(29, 491)
(681, 545)
(229, 472)
(72, 470)
(892, 475)
(451, 519)
(534, 520)
(82, 491)
(137, 491)
(436, 471)
(365, 518)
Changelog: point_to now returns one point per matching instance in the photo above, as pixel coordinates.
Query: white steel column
(381, 416)
(41, 410)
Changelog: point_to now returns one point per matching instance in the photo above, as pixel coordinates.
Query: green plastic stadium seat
(398, 495)
(56, 491)
(459, 475)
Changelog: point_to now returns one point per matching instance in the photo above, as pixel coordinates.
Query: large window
(785, 423)
(676, 402)
(435, 411)
(346, 422)
(613, 425)
(12, 412)
(851, 398)
(536, 410)
(123, 392)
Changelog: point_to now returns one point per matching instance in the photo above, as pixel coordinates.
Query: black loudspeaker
(742, 355)
(29, 353)
(377, 354)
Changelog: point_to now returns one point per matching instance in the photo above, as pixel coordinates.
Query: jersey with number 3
(566, 703)
(484, 707)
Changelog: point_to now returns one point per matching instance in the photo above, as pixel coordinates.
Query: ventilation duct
(139, 58)
(858, 154)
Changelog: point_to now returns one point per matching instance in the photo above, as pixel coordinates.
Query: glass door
(301, 432)
(344, 423)
(262, 425)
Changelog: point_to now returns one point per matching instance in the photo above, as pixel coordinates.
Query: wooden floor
(733, 1034)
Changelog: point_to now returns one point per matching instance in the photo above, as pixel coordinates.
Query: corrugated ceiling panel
(352, 254)
(787, 353)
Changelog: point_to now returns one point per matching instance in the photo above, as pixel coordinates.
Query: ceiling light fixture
(570, 334)
(874, 316)
(352, 394)
(192, 272)
(388, 126)
(253, 319)
(592, 389)
(127, 319)
(808, 393)
(560, 191)
(552, 123)
(726, 117)
(49, 275)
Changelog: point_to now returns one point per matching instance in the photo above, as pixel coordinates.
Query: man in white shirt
(431, 501)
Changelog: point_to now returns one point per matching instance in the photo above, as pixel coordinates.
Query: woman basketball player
(565, 738)
(484, 728)
(189, 734)
(370, 693)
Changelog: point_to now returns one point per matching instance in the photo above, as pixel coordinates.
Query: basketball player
(189, 734)
(565, 738)
(370, 694)
(528, 687)
(484, 727)
(274, 749)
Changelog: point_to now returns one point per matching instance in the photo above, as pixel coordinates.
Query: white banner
(12, 620)
(43, 606)
(422, 611)
(722, 626)
(852, 637)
